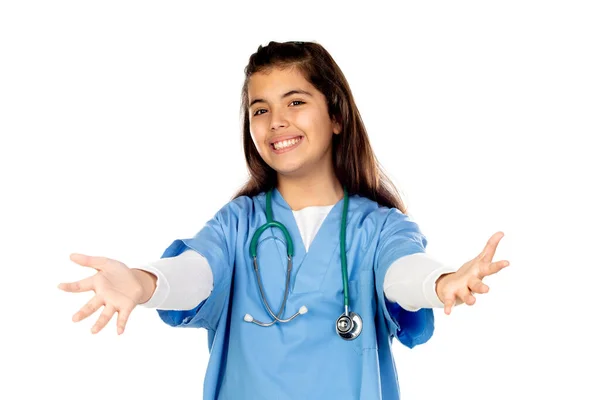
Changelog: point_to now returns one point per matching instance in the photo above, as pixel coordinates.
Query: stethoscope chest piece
(348, 327)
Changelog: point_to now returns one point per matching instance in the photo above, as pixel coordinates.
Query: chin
(289, 169)
(289, 172)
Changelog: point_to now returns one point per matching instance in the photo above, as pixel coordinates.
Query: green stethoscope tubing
(349, 324)
(290, 245)
(343, 250)
(270, 223)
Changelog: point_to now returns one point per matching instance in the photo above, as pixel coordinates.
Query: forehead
(276, 81)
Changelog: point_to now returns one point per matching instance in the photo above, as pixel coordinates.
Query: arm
(176, 283)
(411, 281)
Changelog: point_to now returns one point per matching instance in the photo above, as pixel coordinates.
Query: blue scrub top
(305, 358)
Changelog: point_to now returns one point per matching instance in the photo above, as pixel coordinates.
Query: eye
(262, 109)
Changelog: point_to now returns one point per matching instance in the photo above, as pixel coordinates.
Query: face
(289, 122)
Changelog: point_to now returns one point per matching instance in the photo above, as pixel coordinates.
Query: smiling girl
(307, 275)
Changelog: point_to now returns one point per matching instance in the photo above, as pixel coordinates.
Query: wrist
(147, 282)
(439, 285)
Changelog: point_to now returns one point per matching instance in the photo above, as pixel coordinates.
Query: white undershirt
(186, 280)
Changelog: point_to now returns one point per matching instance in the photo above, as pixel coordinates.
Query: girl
(305, 277)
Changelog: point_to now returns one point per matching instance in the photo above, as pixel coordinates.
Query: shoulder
(241, 203)
(380, 220)
(368, 209)
(240, 207)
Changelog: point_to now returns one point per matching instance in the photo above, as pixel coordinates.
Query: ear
(337, 127)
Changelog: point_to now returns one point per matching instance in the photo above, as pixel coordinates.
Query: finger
(89, 261)
(104, 318)
(448, 304)
(91, 307)
(490, 248)
(76, 287)
(495, 267)
(122, 319)
(477, 286)
(466, 296)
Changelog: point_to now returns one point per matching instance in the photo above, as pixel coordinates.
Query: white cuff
(410, 281)
(182, 283)
(429, 286)
(162, 287)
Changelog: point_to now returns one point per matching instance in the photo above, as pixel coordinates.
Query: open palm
(116, 287)
(458, 287)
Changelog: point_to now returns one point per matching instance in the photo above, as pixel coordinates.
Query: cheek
(258, 136)
(319, 128)
(306, 121)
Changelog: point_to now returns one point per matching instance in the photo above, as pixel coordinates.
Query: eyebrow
(291, 92)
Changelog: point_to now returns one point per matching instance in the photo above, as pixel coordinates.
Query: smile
(286, 145)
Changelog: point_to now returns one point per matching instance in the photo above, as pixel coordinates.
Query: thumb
(98, 263)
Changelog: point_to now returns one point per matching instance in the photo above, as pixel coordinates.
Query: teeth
(285, 143)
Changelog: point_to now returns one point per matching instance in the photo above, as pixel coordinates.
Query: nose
(278, 119)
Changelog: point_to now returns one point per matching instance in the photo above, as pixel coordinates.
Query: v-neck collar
(309, 221)
(309, 267)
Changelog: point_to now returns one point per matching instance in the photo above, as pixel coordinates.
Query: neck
(321, 189)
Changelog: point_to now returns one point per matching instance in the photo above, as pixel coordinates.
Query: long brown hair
(355, 164)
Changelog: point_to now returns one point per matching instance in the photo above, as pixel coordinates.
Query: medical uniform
(304, 358)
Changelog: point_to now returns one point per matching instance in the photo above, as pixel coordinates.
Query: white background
(120, 132)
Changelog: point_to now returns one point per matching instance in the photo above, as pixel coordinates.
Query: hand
(458, 287)
(117, 288)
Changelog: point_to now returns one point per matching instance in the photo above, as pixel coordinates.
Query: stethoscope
(349, 324)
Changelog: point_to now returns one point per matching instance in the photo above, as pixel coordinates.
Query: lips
(289, 148)
(282, 138)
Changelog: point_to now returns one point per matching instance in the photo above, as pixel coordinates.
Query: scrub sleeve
(400, 236)
(212, 243)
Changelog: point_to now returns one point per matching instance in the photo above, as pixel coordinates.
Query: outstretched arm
(420, 281)
(182, 282)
